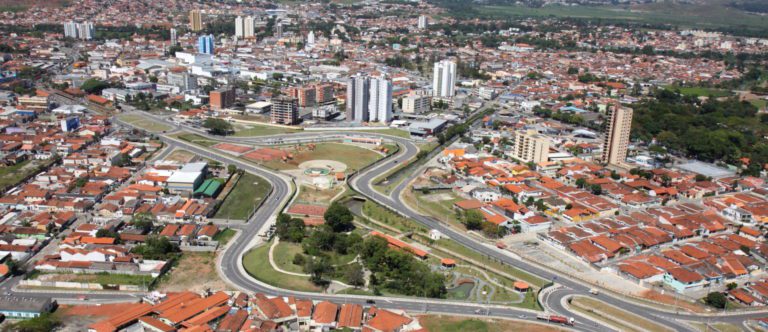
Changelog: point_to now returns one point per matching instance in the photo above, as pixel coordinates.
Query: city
(383, 165)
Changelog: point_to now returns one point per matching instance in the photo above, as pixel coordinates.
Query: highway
(231, 267)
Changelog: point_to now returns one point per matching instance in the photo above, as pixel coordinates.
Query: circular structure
(332, 166)
(317, 171)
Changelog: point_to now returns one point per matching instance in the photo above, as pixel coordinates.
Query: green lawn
(601, 311)
(249, 191)
(284, 253)
(759, 103)
(698, 91)
(461, 324)
(708, 14)
(245, 130)
(196, 139)
(383, 215)
(256, 263)
(224, 236)
(144, 123)
(106, 278)
(12, 175)
(353, 156)
(388, 131)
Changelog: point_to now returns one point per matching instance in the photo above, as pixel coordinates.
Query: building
(358, 94)
(423, 22)
(195, 20)
(244, 27)
(182, 80)
(205, 44)
(425, 128)
(311, 38)
(259, 107)
(222, 98)
(531, 147)
(25, 307)
(444, 79)
(306, 95)
(84, 30)
(416, 104)
(380, 102)
(617, 135)
(174, 37)
(324, 94)
(70, 123)
(188, 178)
(285, 110)
(279, 30)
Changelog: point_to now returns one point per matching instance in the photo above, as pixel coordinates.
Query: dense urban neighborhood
(383, 165)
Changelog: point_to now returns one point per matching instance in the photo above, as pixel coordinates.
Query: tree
(339, 218)
(143, 220)
(106, 233)
(299, 259)
(289, 229)
(473, 220)
(318, 268)
(581, 182)
(218, 126)
(596, 189)
(732, 286)
(94, 86)
(716, 299)
(354, 275)
(156, 247)
(231, 169)
(43, 323)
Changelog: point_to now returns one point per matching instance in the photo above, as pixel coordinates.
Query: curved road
(232, 268)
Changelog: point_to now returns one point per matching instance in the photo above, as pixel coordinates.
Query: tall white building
(311, 38)
(444, 79)
(249, 26)
(174, 37)
(369, 99)
(423, 22)
(239, 27)
(75, 30)
(380, 104)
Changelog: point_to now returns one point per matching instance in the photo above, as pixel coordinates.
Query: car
(370, 301)
(395, 161)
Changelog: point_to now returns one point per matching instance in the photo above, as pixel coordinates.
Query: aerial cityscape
(383, 165)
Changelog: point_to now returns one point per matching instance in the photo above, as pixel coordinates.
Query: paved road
(231, 259)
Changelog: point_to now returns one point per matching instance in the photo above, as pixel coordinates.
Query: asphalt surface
(282, 189)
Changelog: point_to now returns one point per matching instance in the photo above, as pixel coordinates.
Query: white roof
(184, 177)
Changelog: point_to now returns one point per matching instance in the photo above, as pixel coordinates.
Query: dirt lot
(181, 156)
(460, 324)
(195, 272)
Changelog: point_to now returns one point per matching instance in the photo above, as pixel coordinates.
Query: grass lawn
(256, 263)
(196, 139)
(313, 195)
(249, 191)
(224, 236)
(759, 103)
(246, 130)
(624, 320)
(12, 175)
(383, 215)
(461, 324)
(439, 208)
(700, 91)
(102, 278)
(195, 271)
(388, 131)
(144, 123)
(284, 253)
(182, 156)
(353, 156)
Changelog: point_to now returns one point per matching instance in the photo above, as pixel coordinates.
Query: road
(231, 267)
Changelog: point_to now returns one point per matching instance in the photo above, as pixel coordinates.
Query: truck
(556, 319)
(594, 291)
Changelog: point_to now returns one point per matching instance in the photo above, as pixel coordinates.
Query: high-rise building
(195, 20)
(416, 104)
(306, 95)
(423, 22)
(205, 44)
(324, 93)
(82, 30)
(249, 27)
(531, 147)
(70, 29)
(285, 110)
(617, 134)
(369, 99)
(222, 98)
(358, 93)
(311, 38)
(444, 79)
(239, 27)
(380, 102)
(279, 30)
(174, 38)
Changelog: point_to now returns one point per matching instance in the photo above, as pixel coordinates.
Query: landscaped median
(612, 316)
